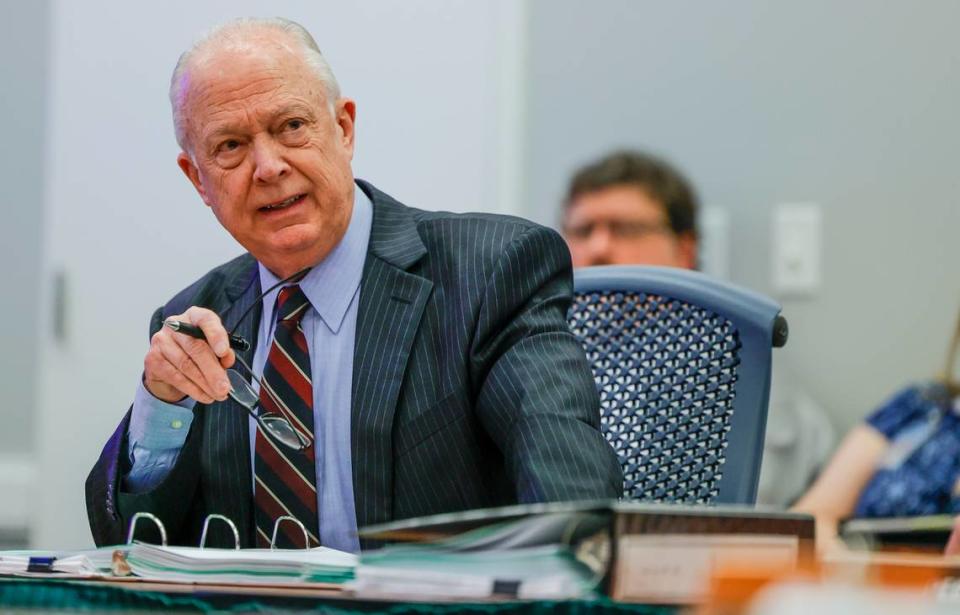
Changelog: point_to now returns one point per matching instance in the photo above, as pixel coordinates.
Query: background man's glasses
(618, 229)
(270, 423)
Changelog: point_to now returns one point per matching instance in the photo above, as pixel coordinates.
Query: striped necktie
(286, 482)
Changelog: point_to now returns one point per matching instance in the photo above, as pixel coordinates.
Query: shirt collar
(331, 285)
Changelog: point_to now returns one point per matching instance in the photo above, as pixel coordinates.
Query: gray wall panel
(852, 105)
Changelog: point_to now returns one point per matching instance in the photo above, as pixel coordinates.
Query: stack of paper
(24, 563)
(543, 573)
(82, 564)
(195, 565)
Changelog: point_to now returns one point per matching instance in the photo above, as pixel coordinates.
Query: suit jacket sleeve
(109, 509)
(537, 397)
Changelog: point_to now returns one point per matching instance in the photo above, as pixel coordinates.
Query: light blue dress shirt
(158, 430)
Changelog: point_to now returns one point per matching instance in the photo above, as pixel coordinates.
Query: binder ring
(276, 526)
(206, 524)
(156, 520)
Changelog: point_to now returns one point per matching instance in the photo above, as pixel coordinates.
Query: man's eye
(579, 231)
(295, 124)
(229, 146)
(631, 230)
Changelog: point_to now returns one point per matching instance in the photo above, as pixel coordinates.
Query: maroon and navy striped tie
(286, 482)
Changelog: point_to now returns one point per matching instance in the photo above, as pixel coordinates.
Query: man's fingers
(212, 328)
(182, 363)
(172, 375)
(159, 369)
(185, 363)
(190, 365)
(197, 362)
(228, 359)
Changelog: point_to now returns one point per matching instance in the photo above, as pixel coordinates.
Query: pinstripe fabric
(225, 454)
(468, 388)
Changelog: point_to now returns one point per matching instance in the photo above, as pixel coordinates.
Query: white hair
(235, 34)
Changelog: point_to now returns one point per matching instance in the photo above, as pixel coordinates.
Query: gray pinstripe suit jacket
(468, 388)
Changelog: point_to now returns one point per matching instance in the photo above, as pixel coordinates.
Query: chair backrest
(682, 364)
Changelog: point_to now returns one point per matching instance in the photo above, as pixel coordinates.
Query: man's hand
(177, 365)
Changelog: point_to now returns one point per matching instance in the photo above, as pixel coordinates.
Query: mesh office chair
(682, 364)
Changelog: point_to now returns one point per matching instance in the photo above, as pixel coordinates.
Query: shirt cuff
(156, 424)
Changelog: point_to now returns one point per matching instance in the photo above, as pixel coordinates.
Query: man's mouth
(284, 203)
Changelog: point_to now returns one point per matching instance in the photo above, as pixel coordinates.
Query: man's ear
(345, 114)
(193, 174)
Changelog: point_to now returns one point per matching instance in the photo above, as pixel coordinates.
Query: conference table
(932, 581)
(40, 594)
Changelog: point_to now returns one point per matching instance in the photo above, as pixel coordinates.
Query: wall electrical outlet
(796, 249)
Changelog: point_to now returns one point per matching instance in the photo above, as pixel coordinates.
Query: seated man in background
(412, 363)
(632, 208)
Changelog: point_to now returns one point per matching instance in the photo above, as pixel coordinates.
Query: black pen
(236, 342)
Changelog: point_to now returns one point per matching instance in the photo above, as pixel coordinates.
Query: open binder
(207, 565)
(316, 567)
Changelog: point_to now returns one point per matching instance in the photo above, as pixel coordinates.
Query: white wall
(25, 52)
(850, 104)
(127, 229)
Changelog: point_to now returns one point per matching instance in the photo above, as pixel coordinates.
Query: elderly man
(412, 363)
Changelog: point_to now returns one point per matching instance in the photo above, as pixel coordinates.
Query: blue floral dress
(919, 474)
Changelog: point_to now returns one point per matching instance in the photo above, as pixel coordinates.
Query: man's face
(622, 225)
(269, 157)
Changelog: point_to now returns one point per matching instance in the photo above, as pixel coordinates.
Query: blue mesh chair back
(682, 365)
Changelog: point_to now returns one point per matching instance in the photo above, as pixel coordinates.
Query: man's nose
(270, 164)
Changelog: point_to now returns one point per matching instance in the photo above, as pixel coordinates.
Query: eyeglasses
(619, 229)
(275, 425)
(270, 423)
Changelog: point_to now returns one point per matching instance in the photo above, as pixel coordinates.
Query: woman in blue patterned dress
(903, 461)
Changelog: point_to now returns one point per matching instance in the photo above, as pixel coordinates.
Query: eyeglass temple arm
(245, 365)
(290, 278)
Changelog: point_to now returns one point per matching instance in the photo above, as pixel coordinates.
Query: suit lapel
(226, 455)
(391, 304)
(392, 301)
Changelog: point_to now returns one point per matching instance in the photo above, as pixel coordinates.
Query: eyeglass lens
(240, 389)
(281, 429)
